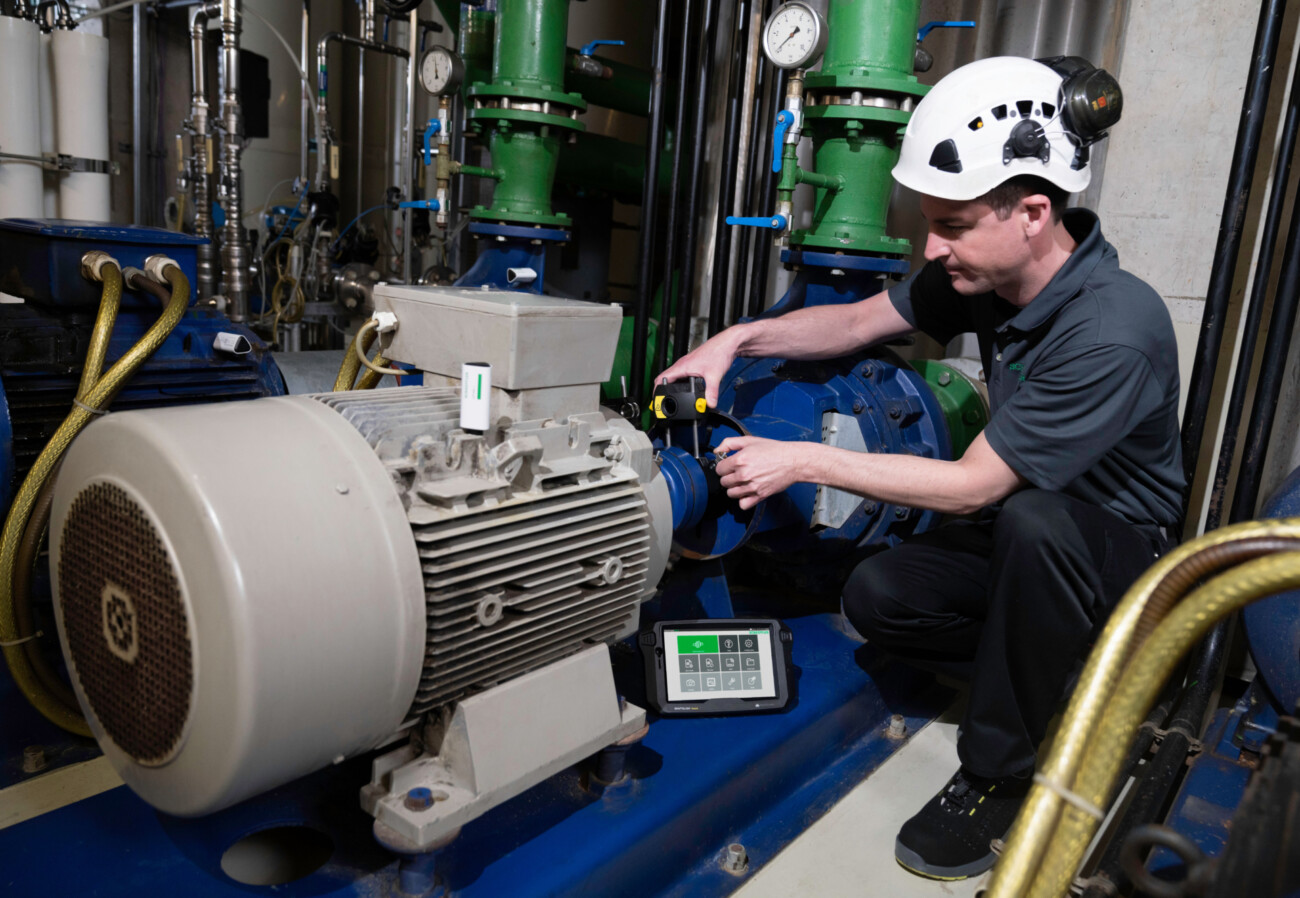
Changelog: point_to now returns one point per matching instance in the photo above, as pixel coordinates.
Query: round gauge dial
(795, 36)
(441, 71)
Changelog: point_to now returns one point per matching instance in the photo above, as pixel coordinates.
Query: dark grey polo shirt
(1083, 381)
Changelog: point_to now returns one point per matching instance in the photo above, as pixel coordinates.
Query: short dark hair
(1005, 197)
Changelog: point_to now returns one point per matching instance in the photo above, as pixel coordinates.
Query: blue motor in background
(47, 312)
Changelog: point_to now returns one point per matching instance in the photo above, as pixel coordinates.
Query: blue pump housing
(46, 320)
(888, 403)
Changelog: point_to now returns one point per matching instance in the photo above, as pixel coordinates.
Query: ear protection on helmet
(1091, 101)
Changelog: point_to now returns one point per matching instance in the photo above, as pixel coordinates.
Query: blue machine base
(1216, 780)
(694, 786)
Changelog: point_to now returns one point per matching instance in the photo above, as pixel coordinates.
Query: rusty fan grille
(124, 618)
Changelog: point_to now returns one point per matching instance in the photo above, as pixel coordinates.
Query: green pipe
(826, 182)
(477, 171)
(606, 163)
(864, 38)
(869, 52)
(475, 38)
(628, 90)
(530, 43)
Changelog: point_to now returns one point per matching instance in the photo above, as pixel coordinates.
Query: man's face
(980, 251)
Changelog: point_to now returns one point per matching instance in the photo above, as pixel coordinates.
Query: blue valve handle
(588, 49)
(419, 204)
(775, 222)
(433, 128)
(784, 119)
(930, 26)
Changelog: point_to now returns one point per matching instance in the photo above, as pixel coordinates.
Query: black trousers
(1012, 603)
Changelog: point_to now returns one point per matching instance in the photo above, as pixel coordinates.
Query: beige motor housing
(247, 592)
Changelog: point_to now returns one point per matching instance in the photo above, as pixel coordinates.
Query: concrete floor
(850, 851)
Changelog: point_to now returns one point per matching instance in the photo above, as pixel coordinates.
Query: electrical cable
(356, 350)
(338, 240)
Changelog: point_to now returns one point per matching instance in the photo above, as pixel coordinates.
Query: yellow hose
(351, 364)
(1137, 614)
(371, 379)
(20, 511)
(1137, 691)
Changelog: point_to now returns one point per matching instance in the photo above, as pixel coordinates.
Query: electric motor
(246, 593)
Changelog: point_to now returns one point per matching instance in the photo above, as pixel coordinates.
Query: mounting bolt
(901, 512)
(736, 861)
(419, 799)
(944, 378)
(34, 759)
(895, 412)
(858, 406)
(897, 727)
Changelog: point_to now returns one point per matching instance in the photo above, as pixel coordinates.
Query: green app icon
(696, 644)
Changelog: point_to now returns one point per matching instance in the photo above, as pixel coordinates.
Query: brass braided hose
(1154, 663)
(1136, 616)
(351, 364)
(21, 510)
(371, 379)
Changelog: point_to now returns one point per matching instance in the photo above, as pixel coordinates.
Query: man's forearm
(803, 334)
(944, 486)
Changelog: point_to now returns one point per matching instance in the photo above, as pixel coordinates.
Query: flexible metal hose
(1136, 616)
(1181, 629)
(351, 364)
(20, 511)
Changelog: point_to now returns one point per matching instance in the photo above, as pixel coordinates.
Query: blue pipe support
(512, 246)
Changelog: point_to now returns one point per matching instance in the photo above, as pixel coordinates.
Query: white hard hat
(998, 118)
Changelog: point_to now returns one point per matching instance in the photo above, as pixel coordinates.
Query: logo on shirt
(1016, 366)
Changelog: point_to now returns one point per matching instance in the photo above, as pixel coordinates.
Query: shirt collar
(1069, 280)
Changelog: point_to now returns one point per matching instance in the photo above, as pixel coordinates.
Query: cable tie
(12, 642)
(89, 408)
(1073, 798)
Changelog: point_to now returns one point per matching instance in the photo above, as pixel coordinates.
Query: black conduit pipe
(672, 238)
(767, 200)
(699, 140)
(649, 200)
(1271, 374)
(1244, 154)
(730, 166)
(1255, 313)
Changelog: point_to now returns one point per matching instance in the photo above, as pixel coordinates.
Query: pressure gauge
(441, 71)
(795, 36)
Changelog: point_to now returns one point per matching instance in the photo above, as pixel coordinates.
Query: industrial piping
(200, 166)
(1223, 270)
(234, 242)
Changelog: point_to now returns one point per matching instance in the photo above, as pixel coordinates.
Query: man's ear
(1037, 211)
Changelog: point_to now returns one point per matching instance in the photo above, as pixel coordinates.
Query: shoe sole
(910, 861)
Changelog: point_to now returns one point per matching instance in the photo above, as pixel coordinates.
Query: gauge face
(794, 37)
(441, 71)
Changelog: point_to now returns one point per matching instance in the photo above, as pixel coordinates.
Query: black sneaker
(949, 838)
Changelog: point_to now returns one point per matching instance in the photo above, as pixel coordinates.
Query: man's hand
(755, 468)
(711, 361)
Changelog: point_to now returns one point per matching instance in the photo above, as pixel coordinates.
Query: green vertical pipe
(527, 160)
(474, 43)
(870, 48)
(530, 43)
(866, 36)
